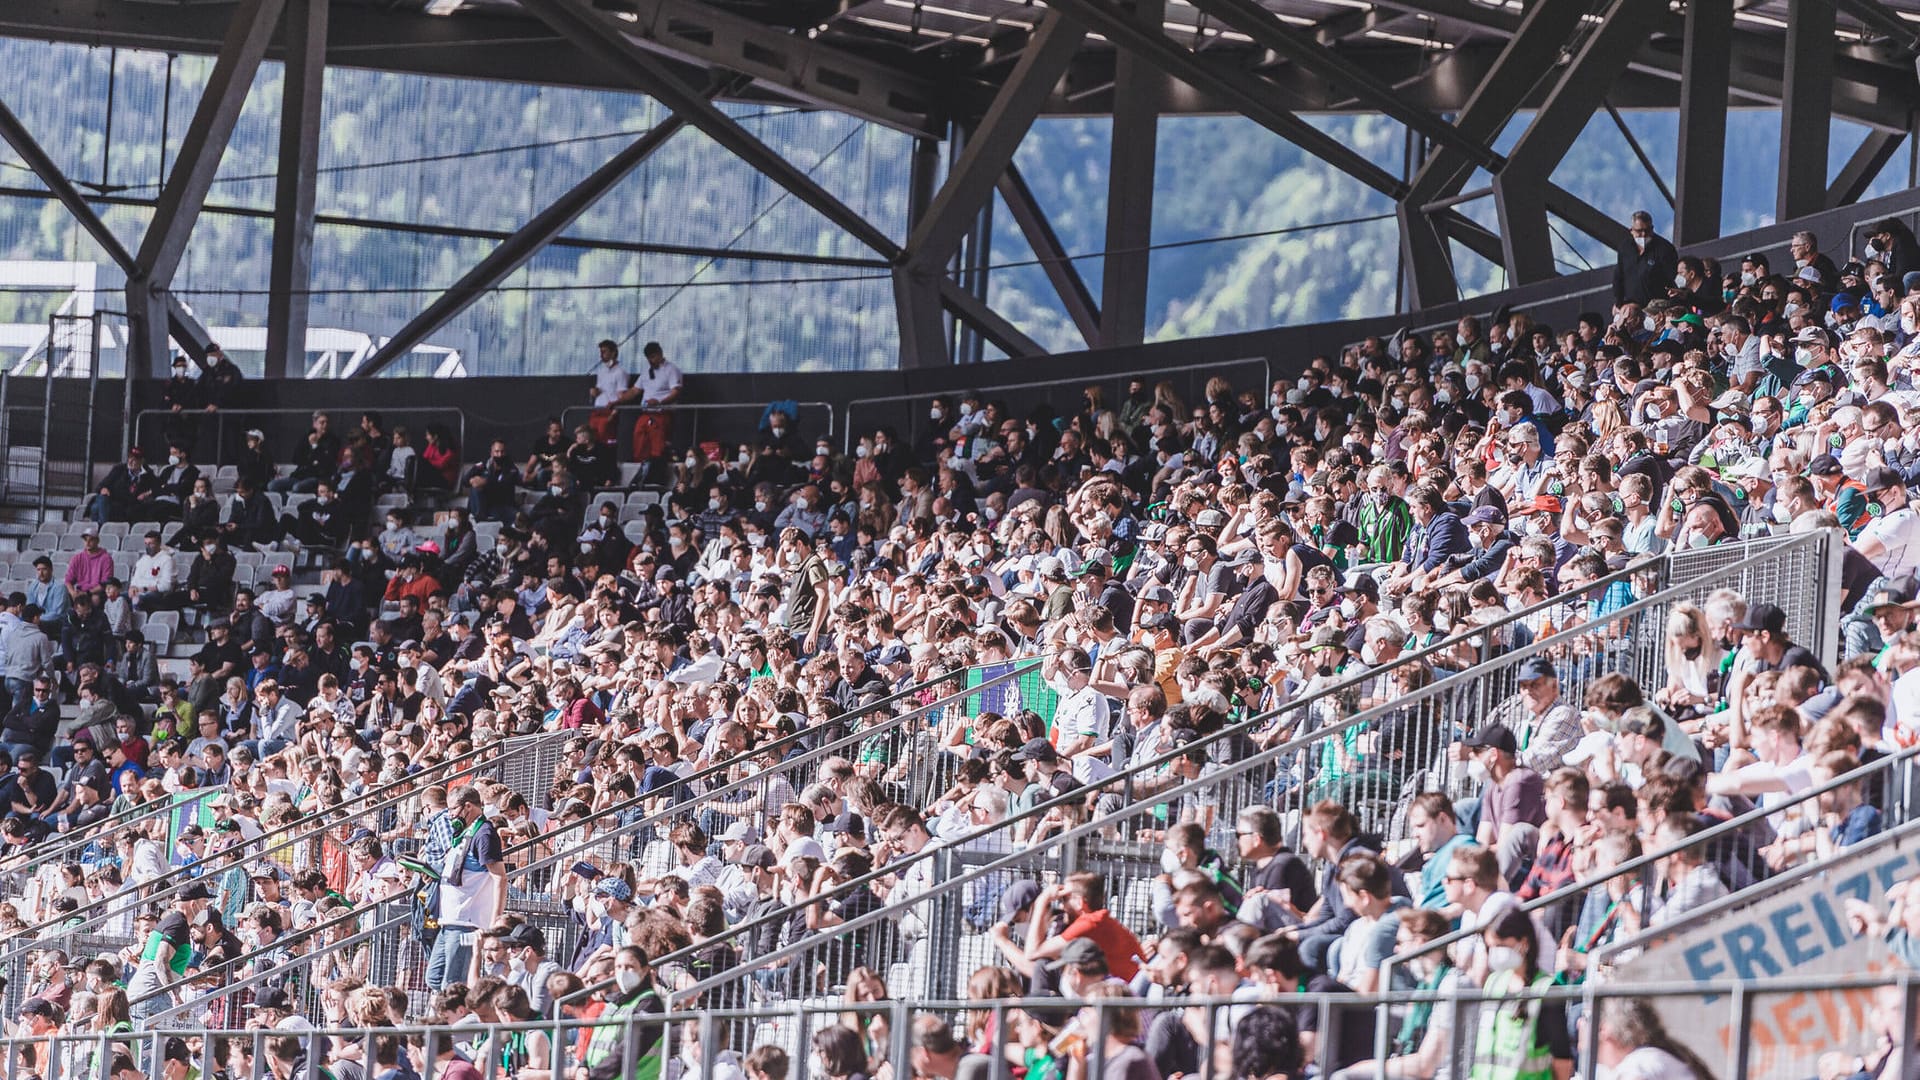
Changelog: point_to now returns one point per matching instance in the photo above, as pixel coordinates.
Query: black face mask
(1692, 653)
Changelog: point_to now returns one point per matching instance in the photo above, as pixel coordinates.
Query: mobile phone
(586, 870)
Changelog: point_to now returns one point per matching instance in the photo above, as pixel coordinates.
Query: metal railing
(73, 845)
(1115, 379)
(284, 970)
(227, 437)
(1128, 812)
(287, 838)
(891, 733)
(1728, 842)
(573, 415)
(1000, 1029)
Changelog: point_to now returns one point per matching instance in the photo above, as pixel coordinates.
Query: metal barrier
(888, 738)
(1047, 1031)
(1729, 845)
(624, 416)
(1116, 379)
(47, 435)
(1318, 755)
(227, 438)
(303, 839)
(74, 846)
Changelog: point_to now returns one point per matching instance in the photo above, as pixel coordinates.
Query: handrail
(783, 741)
(219, 423)
(1225, 772)
(94, 833)
(180, 878)
(1265, 362)
(1648, 935)
(681, 807)
(1634, 865)
(695, 408)
(279, 945)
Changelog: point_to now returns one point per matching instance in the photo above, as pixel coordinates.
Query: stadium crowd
(1175, 568)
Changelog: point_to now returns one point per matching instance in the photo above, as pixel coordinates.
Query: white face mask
(1477, 770)
(758, 540)
(1442, 621)
(1169, 862)
(628, 979)
(936, 414)
(515, 964)
(801, 503)
(1747, 278)
(1473, 382)
(966, 410)
(1369, 655)
(1190, 564)
(173, 459)
(501, 550)
(1640, 243)
(1782, 515)
(760, 505)
(1504, 958)
(1349, 608)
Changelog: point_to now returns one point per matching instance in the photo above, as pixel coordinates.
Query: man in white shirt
(611, 384)
(1081, 718)
(153, 570)
(279, 603)
(659, 387)
(1891, 541)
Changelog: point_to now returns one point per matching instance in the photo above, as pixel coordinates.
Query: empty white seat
(114, 528)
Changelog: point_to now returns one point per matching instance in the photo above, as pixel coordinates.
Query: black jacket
(1640, 276)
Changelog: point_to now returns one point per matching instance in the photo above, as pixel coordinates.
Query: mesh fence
(928, 920)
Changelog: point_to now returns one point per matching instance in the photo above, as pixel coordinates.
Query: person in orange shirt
(412, 580)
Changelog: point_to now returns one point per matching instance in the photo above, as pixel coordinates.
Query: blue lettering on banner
(1790, 933)
(1700, 968)
(1859, 886)
(1837, 935)
(1889, 871)
(1747, 951)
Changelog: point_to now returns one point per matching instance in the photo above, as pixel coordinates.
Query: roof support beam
(183, 326)
(1520, 189)
(789, 64)
(198, 161)
(1075, 297)
(1246, 93)
(515, 250)
(1138, 90)
(602, 37)
(295, 182)
(1862, 168)
(987, 322)
(185, 192)
(1528, 57)
(1706, 66)
(1806, 109)
(991, 144)
(1268, 32)
(1877, 18)
(916, 293)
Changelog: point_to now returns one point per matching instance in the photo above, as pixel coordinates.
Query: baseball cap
(1097, 559)
(1036, 750)
(1548, 503)
(1895, 592)
(1494, 737)
(1077, 952)
(1808, 273)
(739, 833)
(1824, 465)
(1156, 594)
(525, 936)
(1813, 335)
(757, 855)
(1050, 566)
(1536, 667)
(804, 848)
(1751, 468)
(1880, 478)
(1732, 399)
(273, 997)
(1763, 616)
(1486, 515)
(281, 570)
(1019, 896)
(1210, 519)
(613, 888)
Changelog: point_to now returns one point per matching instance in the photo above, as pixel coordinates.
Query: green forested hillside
(468, 155)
